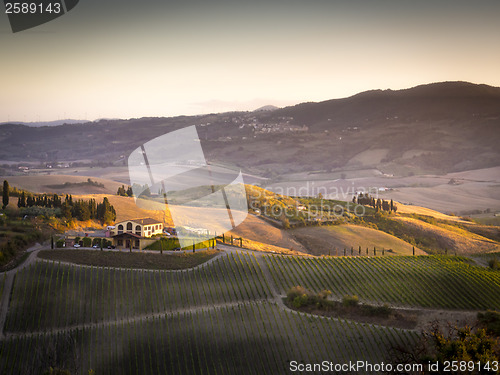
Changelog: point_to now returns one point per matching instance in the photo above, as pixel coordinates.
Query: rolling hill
(64, 184)
(332, 240)
(435, 128)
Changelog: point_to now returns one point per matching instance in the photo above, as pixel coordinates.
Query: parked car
(76, 245)
(111, 247)
(95, 246)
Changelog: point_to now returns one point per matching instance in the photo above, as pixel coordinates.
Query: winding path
(9, 282)
(276, 297)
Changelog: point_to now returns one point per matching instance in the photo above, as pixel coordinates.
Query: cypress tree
(22, 200)
(5, 194)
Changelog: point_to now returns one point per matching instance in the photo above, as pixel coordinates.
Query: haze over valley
(434, 145)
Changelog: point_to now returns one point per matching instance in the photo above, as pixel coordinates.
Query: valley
(419, 252)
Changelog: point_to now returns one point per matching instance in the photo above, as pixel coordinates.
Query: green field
(425, 281)
(223, 317)
(125, 259)
(258, 338)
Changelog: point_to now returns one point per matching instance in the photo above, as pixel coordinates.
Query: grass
(327, 240)
(15, 237)
(495, 221)
(267, 248)
(439, 237)
(129, 260)
(166, 243)
(14, 263)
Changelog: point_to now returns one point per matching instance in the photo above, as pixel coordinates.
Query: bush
(494, 264)
(491, 321)
(299, 296)
(87, 242)
(35, 211)
(59, 243)
(324, 294)
(300, 301)
(349, 301)
(296, 291)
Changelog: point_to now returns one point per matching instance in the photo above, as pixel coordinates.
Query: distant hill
(266, 108)
(46, 123)
(429, 129)
(437, 101)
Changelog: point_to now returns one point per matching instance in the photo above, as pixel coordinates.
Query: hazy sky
(123, 58)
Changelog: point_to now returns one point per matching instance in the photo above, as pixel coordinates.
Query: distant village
(281, 125)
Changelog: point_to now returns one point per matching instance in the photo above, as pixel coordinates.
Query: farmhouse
(135, 233)
(140, 227)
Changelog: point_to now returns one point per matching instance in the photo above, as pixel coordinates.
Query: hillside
(427, 230)
(449, 237)
(332, 240)
(431, 102)
(257, 230)
(436, 128)
(64, 184)
(126, 208)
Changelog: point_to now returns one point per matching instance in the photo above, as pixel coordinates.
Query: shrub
(296, 291)
(491, 320)
(494, 264)
(302, 300)
(60, 243)
(299, 296)
(321, 300)
(87, 242)
(350, 300)
(324, 294)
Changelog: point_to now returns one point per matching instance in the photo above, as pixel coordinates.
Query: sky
(128, 59)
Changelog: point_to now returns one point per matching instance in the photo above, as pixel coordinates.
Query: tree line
(125, 192)
(80, 209)
(129, 192)
(366, 199)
